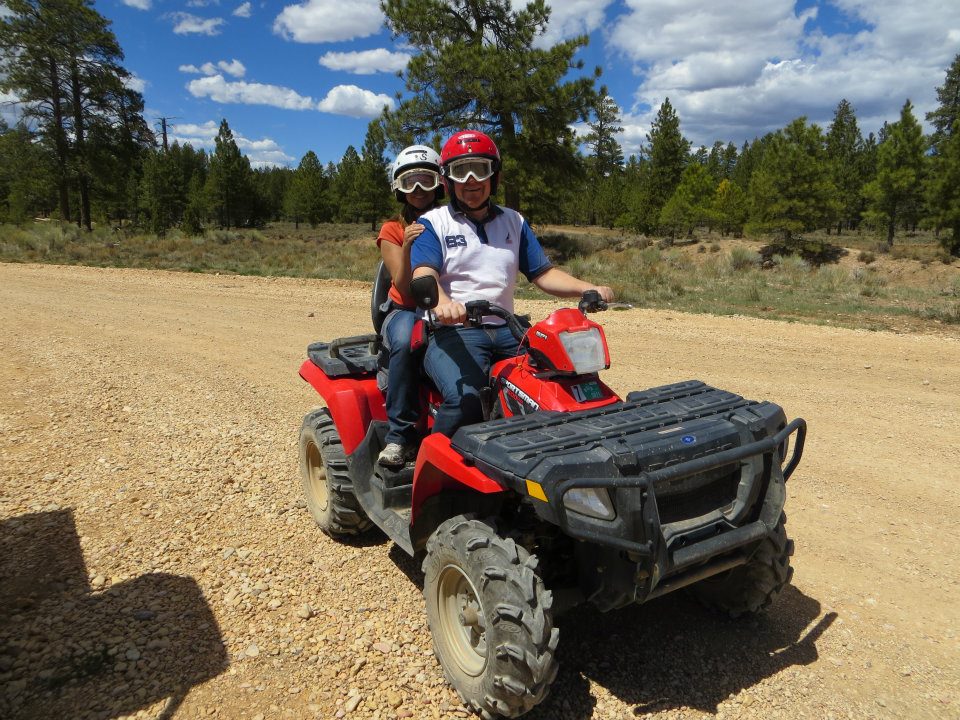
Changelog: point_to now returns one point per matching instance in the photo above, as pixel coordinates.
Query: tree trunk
(79, 132)
(890, 228)
(59, 141)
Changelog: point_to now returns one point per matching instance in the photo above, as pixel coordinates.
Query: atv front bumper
(692, 479)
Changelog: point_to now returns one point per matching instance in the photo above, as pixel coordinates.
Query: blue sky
(310, 75)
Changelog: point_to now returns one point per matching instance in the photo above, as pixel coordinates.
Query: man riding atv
(475, 249)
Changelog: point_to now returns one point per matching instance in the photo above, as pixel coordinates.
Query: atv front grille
(697, 495)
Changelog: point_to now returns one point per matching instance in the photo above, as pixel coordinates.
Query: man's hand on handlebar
(450, 313)
(606, 293)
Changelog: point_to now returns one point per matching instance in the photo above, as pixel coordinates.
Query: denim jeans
(403, 382)
(458, 361)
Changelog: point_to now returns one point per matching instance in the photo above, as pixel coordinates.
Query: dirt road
(156, 559)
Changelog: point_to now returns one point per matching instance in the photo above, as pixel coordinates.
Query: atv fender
(354, 402)
(444, 485)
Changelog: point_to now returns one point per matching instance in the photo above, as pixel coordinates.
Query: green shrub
(866, 257)
(743, 258)
(831, 279)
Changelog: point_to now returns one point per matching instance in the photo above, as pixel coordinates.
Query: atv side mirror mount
(425, 292)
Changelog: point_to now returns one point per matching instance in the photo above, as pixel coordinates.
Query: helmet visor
(461, 170)
(407, 182)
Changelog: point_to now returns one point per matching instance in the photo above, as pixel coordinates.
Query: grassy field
(911, 288)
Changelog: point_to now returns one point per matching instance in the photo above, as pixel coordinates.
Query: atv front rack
(694, 476)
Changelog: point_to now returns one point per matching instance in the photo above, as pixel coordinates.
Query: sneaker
(395, 455)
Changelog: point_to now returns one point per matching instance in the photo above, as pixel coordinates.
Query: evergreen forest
(82, 151)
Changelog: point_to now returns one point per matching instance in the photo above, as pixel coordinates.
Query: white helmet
(415, 157)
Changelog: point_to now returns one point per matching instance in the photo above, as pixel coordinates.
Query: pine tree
(63, 63)
(27, 176)
(376, 198)
(163, 190)
(943, 189)
(229, 182)
(895, 195)
(476, 66)
(790, 190)
(667, 152)
(306, 196)
(944, 118)
(689, 206)
(605, 152)
(346, 188)
(729, 207)
(844, 146)
(599, 195)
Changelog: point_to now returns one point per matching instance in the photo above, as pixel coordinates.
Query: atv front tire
(326, 483)
(490, 617)
(752, 587)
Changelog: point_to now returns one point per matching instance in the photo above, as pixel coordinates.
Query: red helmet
(469, 142)
(465, 144)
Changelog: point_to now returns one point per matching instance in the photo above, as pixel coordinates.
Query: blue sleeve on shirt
(426, 249)
(533, 260)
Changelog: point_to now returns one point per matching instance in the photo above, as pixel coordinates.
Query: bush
(866, 257)
(742, 258)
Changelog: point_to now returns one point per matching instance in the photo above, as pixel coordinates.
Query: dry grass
(910, 288)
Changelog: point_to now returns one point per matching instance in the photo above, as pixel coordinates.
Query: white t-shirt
(478, 261)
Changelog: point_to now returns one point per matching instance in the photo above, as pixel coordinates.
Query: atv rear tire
(490, 617)
(326, 483)
(752, 587)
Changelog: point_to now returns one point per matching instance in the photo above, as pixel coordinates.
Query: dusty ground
(156, 559)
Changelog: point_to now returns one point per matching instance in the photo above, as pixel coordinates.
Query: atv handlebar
(591, 301)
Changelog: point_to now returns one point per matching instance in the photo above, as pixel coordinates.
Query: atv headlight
(585, 350)
(592, 502)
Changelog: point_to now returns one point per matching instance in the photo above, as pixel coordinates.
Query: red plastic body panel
(354, 402)
(545, 336)
(440, 467)
(555, 393)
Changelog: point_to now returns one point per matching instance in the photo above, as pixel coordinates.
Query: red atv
(566, 486)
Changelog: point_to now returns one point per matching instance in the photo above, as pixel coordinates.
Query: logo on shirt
(509, 240)
(453, 241)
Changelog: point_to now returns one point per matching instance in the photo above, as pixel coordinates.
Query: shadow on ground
(69, 652)
(672, 653)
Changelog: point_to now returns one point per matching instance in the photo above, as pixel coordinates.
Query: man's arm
(553, 281)
(557, 282)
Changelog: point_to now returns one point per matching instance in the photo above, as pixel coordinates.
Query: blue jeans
(403, 386)
(458, 361)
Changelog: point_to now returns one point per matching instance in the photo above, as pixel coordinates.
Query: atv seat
(381, 288)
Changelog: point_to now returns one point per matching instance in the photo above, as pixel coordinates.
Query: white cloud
(9, 107)
(354, 102)
(138, 4)
(202, 3)
(262, 153)
(217, 88)
(234, 67)
(243, 11)
(316, 21)
(196, 135)
(187, 24)
(135, 83)
(366, 62)
(736, 69)
(572, 17)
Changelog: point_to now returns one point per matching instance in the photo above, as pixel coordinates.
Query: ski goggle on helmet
(470, 153)
(462, 170)
(416, 166)
(426, 180)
